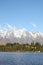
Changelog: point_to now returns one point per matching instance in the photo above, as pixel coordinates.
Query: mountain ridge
(21, 36)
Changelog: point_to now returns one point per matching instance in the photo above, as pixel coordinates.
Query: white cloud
(34, 25)
(1, 29)
(9, 26)
(0, 26)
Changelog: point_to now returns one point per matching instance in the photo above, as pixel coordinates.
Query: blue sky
(22, 14)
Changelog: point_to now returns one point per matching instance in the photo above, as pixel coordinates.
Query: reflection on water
(18, 58)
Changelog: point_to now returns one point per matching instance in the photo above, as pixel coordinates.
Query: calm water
(17, 58)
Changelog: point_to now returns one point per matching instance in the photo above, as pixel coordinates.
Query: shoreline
(23, 51)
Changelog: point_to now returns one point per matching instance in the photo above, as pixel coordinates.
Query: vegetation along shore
(17, 47)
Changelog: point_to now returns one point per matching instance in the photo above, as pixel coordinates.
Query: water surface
(19, 58)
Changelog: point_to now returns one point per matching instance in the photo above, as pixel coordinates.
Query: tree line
(17, 47)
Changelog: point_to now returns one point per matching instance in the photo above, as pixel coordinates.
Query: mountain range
(21, 36)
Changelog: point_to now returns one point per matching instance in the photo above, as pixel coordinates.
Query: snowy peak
(20, 35)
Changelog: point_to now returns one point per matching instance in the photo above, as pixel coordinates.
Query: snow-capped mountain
(20, 36)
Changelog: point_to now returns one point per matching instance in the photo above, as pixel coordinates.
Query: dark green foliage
(13, 47)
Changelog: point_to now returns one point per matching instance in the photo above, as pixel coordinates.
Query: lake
(21, 58)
